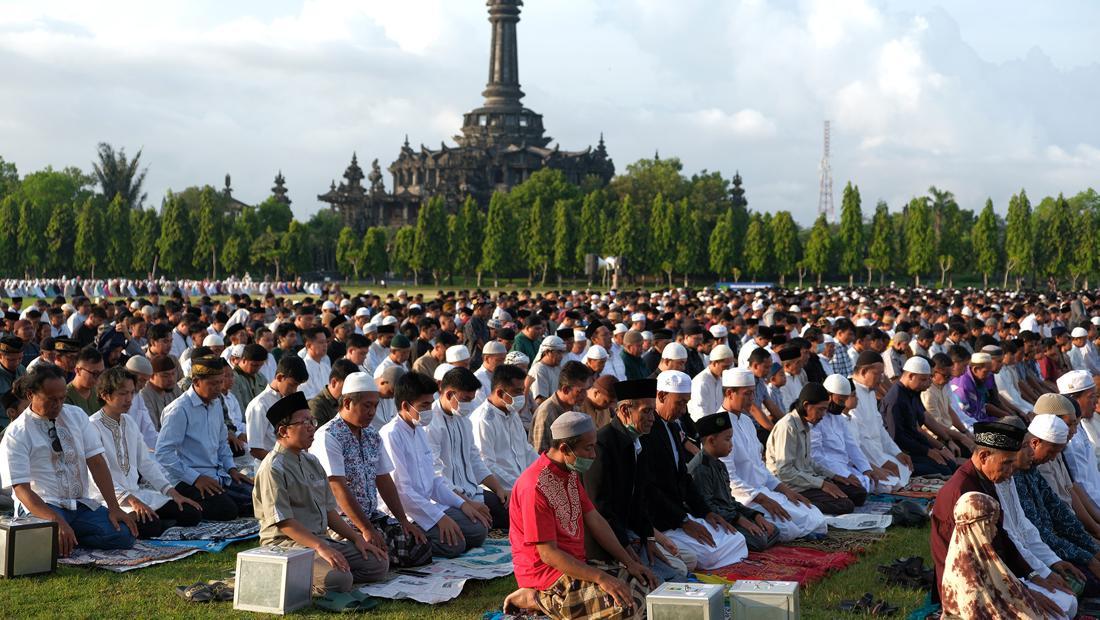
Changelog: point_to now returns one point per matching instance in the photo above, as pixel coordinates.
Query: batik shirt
(358, 459)
(1057, 525)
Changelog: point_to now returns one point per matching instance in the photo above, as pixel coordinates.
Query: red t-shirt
(548, 504)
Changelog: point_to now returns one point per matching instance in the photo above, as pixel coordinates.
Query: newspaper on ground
(443, 580)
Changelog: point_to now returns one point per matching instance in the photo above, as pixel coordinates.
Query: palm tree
(119, 176)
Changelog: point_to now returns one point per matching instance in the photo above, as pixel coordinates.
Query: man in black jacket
(675, 505)
(617, 483)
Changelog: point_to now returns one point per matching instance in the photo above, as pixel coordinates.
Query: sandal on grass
(339, 602)
(860, 605)
(221, 590)
(195, 593)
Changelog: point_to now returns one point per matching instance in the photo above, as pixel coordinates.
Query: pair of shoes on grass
(868, 605)
(206, 592)
(346, 602)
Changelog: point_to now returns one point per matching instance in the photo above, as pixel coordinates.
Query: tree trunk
(985, 279)
(782, 281)
(214, 264)
(869, 274)
(685, 280)
(916, 279)
(478, 278)
(1005, 285)
(277, 270)
(851, 280)
(153, 273)
(496, 279)
(819, 279)
(416, 277)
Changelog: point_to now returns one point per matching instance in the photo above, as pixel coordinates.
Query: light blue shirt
(193, 440)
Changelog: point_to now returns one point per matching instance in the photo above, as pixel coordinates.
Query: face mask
(633, 431)
(517, 404)
(465, 409)
(581, 465)
(425, 417)
(835, 408)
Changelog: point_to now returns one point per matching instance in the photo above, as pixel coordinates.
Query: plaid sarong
(574, 598)
(405, 552)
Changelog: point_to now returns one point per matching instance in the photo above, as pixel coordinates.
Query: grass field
(149, 593)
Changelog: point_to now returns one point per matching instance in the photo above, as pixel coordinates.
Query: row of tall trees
(660, 224)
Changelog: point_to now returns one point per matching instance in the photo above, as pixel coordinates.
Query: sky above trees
(945, 94)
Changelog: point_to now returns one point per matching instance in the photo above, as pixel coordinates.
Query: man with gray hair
(550, 513)
(545, 371)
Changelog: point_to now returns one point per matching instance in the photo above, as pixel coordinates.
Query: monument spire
(502, 89)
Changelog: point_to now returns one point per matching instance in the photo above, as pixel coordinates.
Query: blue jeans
(94, 530)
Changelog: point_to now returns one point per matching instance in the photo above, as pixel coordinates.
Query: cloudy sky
(976, 97)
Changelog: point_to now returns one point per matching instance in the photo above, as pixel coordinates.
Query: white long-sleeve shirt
(128, 459)
(502, 442)
(455, 452)
(139, 415)
(1022, 532)
(834, 447)
(745, 465)
(424, 494)
(869, 429)
(706, 394)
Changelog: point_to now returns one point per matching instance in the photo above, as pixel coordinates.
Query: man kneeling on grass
(296, 508)
(549, 511)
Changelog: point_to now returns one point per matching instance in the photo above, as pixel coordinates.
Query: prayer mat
(210, 536)
(840, 541)
(925, 488)
(443, 580)
(141, 555)
(786, 563)
(927, 611)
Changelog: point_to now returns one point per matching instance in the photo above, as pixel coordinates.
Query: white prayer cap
(551, 343)
(1049, 428)
(494, 347)
(370, 328)
(345, 302)
(358, 382)
(900, 337)
(402, 293)
(1095, 320)
(441, 370)
(794, 308)
(1053, 404)
(647, 336)
(457, 353)
(390, 320)
(757, 305)
(362, 312)
(981, 358)
(236, 350)
(213, 340)
(620, 329)
(139, 364)
(674, 351)
(637, 317)
(1079, 332)
(862, 322)
(837, 384)
(329, 305)
(596, 352)
(719, 331)
(578, 336)
(737, 377)
(720, 352)
(917, 365)
(517, 358)
(571, 424)
(1075, 381)
(829, 339)
(135, 305)
(674, 382)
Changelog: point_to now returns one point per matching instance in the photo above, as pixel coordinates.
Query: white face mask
(425, 417)
(465, 409)
(517, 404)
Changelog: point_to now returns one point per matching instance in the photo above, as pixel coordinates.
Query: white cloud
(747, 123)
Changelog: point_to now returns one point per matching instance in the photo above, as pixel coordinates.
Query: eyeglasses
(94, 373)
(310, 423)
(55, 441)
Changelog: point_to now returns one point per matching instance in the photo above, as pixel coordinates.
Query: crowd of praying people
(618, 439)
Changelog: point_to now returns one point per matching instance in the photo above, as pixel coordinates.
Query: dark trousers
(497, 509)
(233, 502)
(757, 542)
(856, 495)
(923, 466)
(169, 515)
(93, 529)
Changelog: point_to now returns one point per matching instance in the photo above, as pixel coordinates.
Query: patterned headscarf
(976, 582)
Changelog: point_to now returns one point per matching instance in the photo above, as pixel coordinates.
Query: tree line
(664, 226)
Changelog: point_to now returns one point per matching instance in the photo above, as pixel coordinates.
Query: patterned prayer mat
(785, 563)
(840, 541)
(211, 536)
(925, 488)
(141, 555)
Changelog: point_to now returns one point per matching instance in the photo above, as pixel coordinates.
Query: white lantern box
(274, 580)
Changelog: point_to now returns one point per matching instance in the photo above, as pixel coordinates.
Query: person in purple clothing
(976, 391)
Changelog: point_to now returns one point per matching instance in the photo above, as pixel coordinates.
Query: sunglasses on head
(55, 441)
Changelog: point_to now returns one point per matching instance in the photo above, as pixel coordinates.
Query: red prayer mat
(783, 563)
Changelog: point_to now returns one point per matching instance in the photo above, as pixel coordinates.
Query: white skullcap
(1075, 381)
(637, 317)
(571, 424)
(362, 312)
(757, 305)
(139, 364)
(1053, 404)
(551, 343)
(719, 331)
(1049, 428)
(917, 365)
(329, 305)
(596, 352)
(236, 350)
(794, 308)
(620, 329)
(674, 351)
(213, 340)
(647, 336)
(837, 384)
(494, 347)
(516, 358)
(829, 339)
(1079, 332)
(863, 322)
(370, 328)
(1095, 320)
(578, 336)
(135, 305)
(674, 382)
(457, 353)
(358, 382)
(737, 377)
(720, 352)
(390, 320)
(345, 302)
(981, 358)
(441, 370)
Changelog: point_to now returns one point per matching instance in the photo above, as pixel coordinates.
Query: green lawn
(148, 593)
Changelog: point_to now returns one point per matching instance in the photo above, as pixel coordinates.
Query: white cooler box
(764, 600)
(686, 601)
(274, 580)
(28, 546)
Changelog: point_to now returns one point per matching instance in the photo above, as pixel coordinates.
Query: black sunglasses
(55, 440)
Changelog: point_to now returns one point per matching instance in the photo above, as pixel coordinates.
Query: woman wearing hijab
(976, 582)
